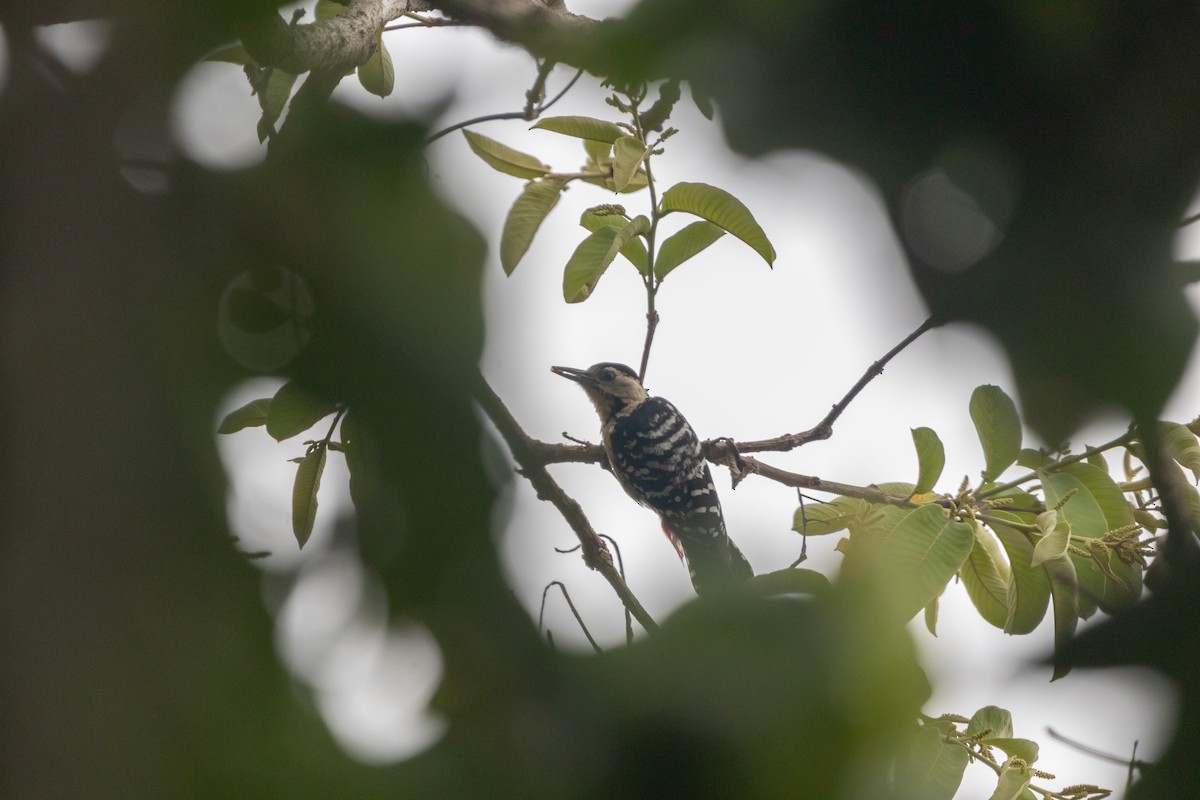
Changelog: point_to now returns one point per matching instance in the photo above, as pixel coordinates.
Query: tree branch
(725, 453)
(524, 450)
(824, 428)
(335, 45)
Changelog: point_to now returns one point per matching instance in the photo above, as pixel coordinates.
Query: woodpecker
(656, 457)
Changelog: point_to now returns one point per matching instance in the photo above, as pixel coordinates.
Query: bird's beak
(580, 376)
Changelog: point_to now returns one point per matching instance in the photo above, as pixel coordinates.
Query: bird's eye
(607, 375)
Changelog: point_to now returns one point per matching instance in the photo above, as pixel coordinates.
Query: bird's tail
(712, 559)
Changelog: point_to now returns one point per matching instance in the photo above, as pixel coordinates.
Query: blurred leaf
(816, 519)
(230, 54)
(524, 218)
(377, 74)
(703, 102)
(596, 130)
(931, 616)
(789, 581)
(931, 768)
(683, 244)
(634, 250)
(253, 312)
(294, 410)
(931, 458)
(722, 209)
(503, 158)
(985, 576)
(1182, 445)
(998, 427)
(920, 556)
(592, 257)
(655, 117)
(251, 415)
(628, 155)
(304, 493)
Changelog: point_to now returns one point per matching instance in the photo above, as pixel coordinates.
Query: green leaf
(985, 576)
(593, 255)
(1088, 521)
(1064, 587)
(789, 581)
(505, 159)
(997, 721)
(920, 556)
(998, 427)
(376, 74)
(1104, 490)
(931, 616)
(634, 250)
(1053, 543)
(1182, 445)
(930, 768)
(1028, 586)
(931, 458)
(304, 493)
(628, 155)
(1014, 778)
(327, 9)
(1032, 459)
(683, 244)
(817, 519)
(596, 130)
(722, 209)
(251, 415)
(294, 410)
(524, 218)
(599, 154)
(1024, 749)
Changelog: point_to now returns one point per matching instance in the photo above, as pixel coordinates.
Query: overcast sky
(743, 350)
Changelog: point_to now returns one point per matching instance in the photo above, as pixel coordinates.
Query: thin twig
(1131, 762)
(595, 553)
(824, 428)
(523, 114)
(566, 595)
(621, 568)
(1123, 439)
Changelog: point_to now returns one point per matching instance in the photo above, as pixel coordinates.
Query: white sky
(743, 350)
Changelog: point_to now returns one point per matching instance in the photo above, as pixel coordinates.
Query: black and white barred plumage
(656, 457)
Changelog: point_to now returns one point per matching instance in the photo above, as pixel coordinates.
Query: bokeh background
(745, 351)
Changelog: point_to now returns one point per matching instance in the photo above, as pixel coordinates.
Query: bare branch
(595, 553)
(824, 428)
(567, 596)
(724, 453)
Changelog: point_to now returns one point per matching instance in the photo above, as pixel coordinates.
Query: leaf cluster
(1065, 534)
(617, 158)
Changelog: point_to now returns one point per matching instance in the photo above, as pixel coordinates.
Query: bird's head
(611, 387)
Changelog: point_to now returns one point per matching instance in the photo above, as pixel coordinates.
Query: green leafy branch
(619, 158)
(933, 764)
(1064, 533)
